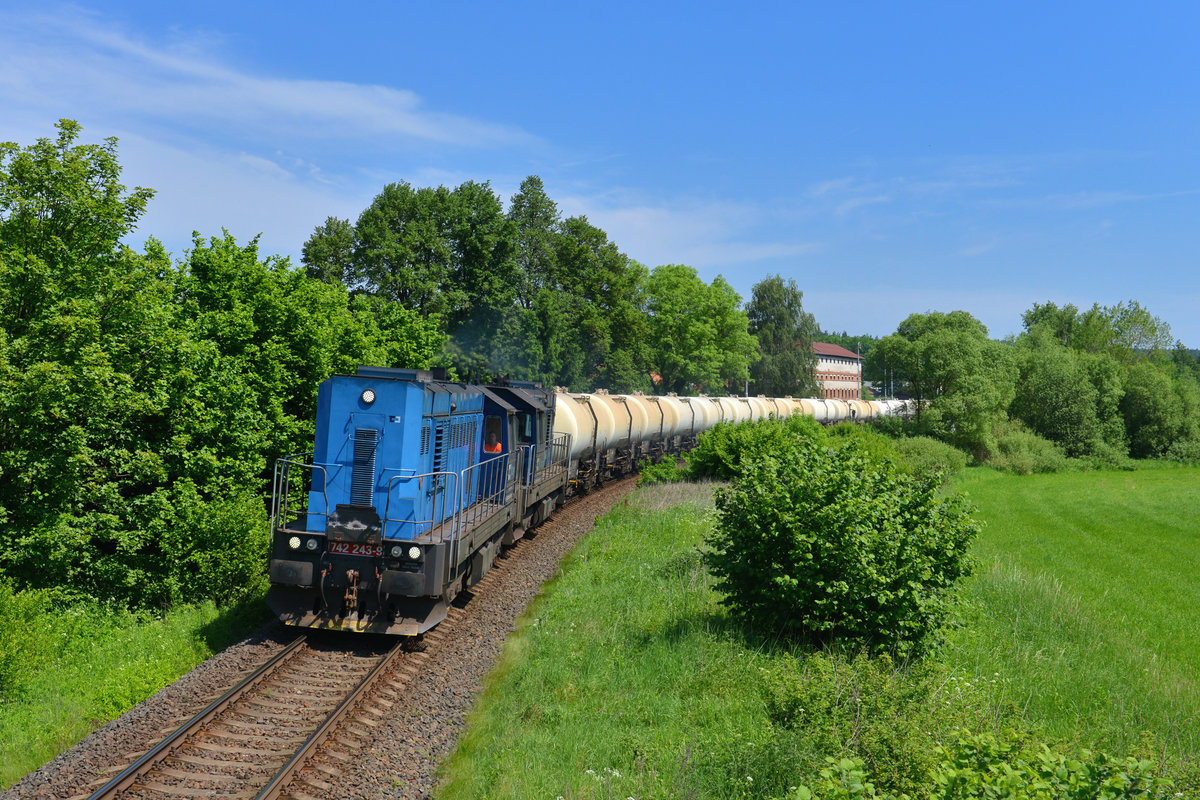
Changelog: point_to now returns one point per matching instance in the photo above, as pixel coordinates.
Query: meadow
(627, 679)
(70, 671)
(1085, 601)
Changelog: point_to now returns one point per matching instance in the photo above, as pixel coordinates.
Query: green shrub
(666, 471)
(721, 449)
(874, 444)
(864, 707)
(1185, 451)
(926, 456)
(827, 544)
(984, 767)
(1023, 452)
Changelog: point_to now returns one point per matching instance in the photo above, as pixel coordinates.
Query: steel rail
(274, 788)
(129, 776)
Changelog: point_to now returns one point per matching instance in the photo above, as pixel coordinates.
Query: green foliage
(142, 401)
(1021, 451)
(1156, 410)
(962, 381)
(785, 333)
(65, 668)
(983, 767)
(1055, 396)
(866, 707)
(871, 442)
(666, 471)
(927, 456)
(698, 333)
(721, 450)
(829, 544)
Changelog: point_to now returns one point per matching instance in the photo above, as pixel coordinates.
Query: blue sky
(890, 157)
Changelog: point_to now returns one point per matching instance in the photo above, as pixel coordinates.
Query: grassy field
(84, 667)
(1086, 602)
(627, 680)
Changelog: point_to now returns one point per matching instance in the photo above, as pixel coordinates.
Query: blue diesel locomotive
(412, 487)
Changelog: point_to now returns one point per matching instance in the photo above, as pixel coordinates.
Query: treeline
(141, 398)
(525, 294)
(144, 397)
(1090, 388)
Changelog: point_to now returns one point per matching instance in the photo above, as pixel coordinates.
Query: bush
(874, 445)
(827, 544)
(666, 471)
(721, 449)
(1023, 452)
(984, 767)
(1185, 451)
(926, 456)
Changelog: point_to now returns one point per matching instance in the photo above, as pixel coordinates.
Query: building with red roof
(839, 371)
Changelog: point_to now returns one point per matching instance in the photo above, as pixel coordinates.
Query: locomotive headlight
(368, 396)
(396, 551)
(294, 542)
(414, 553)
(312, 544)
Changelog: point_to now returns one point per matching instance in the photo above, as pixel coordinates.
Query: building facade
(839, 371)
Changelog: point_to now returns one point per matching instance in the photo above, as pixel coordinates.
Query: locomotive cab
(401, 505)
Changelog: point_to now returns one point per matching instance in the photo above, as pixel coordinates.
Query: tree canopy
(785, 334)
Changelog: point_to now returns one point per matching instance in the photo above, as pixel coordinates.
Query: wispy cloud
(710, 236)
(69, 58)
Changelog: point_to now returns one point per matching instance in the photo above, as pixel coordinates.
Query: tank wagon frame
(414, 484)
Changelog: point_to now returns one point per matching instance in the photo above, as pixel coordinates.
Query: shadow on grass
(235, 622)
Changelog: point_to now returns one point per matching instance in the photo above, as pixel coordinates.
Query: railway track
(389, 741)
(260, 739)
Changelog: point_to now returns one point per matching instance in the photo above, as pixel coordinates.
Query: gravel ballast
(414, 738)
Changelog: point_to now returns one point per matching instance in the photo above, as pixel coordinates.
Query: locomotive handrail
(433, 521)
(496, 490)
(281, 488)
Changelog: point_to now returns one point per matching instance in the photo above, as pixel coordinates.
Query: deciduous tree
(785, 333)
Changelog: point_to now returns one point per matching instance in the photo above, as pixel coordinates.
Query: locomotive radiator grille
(363, 477)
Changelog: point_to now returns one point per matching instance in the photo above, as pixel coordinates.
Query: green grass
(76, 669)
(626, 679)
(1086, 602)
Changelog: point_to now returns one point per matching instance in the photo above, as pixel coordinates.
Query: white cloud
(708, 236)
(69, 59)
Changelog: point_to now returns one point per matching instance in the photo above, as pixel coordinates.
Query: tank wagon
(414, 483)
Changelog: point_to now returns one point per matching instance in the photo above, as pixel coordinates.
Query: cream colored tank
(809, 407)
(716, 412)
(614, 423)
(862, 410)
(760, 408)
(839, 410)
(817, 407)
(690, 416)
(664, 415)
(781, 407)
(732, 409)
(878, 408)
(573, 416)
(640, 414)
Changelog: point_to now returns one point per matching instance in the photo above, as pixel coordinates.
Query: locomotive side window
(492, 437)
(524, 428)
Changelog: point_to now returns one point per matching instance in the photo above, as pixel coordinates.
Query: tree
(1055, 396)
(536, 222)
(1127, 330)
(962, 381)
(328, 254)
(699, 336)
(785, 333)
(63, 213)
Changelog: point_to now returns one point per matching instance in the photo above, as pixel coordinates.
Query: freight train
(415, 483)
